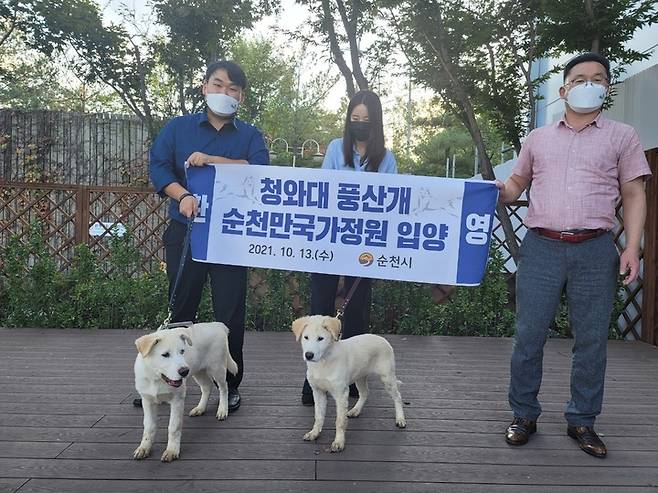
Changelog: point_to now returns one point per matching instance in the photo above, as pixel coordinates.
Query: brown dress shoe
(519, 431)
(588, 440)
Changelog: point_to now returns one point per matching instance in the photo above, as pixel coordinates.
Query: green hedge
(34, 293)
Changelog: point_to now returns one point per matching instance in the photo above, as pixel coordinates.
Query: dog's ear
(145, 343)
(298, 327)
(333, 324)
(186, 339)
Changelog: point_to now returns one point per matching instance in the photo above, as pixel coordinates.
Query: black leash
(341, 311)
(167, 324)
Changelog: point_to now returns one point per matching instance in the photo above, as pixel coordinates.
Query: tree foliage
(156, 72)
(601, 26)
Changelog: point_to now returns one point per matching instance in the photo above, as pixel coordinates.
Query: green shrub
(114, 293)
(32, 285)
(408, 308)
(35, 294)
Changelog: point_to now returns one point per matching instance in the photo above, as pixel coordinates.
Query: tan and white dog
(165, 359)
(333, 364)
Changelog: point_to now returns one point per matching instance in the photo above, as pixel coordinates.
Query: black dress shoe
(518, 433)
(233, 400)
(307, 399)
(137, 402)
(588, 440)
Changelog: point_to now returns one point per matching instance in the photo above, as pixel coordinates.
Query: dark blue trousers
(588, 272)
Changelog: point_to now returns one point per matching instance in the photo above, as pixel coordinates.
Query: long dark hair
(375, 149)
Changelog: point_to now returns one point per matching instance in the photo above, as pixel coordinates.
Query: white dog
(165, 358)
(333, 364)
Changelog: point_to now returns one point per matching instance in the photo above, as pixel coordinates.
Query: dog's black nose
(183, 371)
(308, 355)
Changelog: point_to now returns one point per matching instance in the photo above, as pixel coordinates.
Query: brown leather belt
(571, 236)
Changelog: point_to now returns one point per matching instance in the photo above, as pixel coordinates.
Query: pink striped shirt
(576, 176)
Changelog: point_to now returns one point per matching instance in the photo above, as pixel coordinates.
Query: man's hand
(201, 159)
(198, 159)
(511, 190)
(188, 206)
(629, 265)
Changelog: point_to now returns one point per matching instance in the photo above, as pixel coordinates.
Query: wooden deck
(67, 423)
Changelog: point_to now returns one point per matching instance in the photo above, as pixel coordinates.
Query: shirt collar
(598, 122)
(203, 119)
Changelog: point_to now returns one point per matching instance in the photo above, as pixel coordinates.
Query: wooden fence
(71, 215)
(65, 147)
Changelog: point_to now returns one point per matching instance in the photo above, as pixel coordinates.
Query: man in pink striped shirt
(577, 169)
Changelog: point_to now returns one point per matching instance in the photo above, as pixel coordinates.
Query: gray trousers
(588, 272)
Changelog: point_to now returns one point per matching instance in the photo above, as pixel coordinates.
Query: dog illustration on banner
(423, 201)
(248, 190)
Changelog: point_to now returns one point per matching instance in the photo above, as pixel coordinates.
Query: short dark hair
(234, 71)
(586, 57)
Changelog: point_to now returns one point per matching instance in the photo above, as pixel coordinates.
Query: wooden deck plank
(114, 486)
(245, 421)
(264, 436)
(640, 396)
(372, 410)
(9, 485)
(483, 473)
(32, 450)
(33, 403)
(148, 469)
(392, 453)
(411, 385)
(67, 423)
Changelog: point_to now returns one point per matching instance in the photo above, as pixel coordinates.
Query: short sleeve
(632, 161)
(524, 161)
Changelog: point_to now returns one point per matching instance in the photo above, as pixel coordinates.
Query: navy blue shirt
(194, 133)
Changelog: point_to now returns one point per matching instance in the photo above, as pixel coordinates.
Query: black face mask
(360, 131)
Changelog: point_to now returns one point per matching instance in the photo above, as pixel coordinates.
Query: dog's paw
(337, 445)
(311, 435)
(401, 422)
(169, 455)
(353, 413)
(141, 453)
(221, 415)
(197, 411)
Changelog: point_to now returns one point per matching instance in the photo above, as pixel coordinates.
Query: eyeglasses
(581, 80)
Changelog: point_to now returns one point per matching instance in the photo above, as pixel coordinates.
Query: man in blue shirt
(214, 136)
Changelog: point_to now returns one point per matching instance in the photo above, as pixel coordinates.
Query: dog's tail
(231, 365)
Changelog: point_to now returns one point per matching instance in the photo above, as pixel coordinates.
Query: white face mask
(222, 105)
(586, 98)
